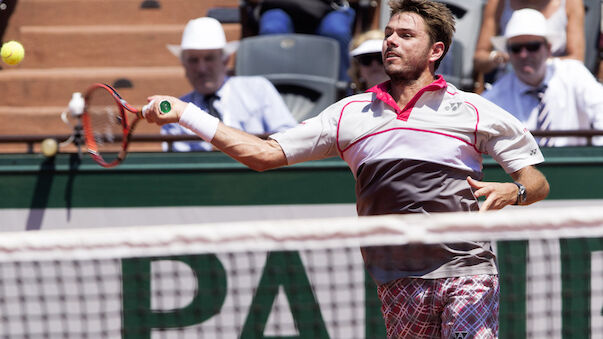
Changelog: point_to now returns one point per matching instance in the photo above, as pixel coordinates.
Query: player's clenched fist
(163, 109)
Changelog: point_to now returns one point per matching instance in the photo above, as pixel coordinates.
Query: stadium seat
(307, 80)
(468, 15)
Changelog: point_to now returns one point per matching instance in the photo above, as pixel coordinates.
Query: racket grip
(164, 107)
(145, 109)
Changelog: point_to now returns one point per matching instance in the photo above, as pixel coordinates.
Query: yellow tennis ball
(12, 52)
(49, 147)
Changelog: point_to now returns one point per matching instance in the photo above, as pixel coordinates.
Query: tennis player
(415, 145)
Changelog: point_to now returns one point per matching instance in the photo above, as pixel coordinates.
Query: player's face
(528, 55)
(205, 69)
(407, 48)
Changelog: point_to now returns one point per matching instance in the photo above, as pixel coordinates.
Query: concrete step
(53, 87)
(107, 12)
(104, 45)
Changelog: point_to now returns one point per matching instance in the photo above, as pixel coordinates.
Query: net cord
(272, 235)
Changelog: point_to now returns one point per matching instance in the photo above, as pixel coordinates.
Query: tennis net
(287, 279)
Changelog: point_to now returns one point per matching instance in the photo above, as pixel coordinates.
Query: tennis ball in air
(12, 52)
(49, 147)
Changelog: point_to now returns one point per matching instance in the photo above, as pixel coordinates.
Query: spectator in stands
(565, 18)
(251, 104)
(329, 18)
(366, 68)
(543, 93)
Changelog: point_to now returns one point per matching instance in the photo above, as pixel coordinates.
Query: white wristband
(198, 121)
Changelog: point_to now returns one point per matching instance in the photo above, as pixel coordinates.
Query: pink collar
(382, 93)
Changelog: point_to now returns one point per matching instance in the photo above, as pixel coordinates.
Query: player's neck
(403, 90)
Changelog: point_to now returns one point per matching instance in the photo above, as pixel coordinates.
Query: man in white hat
(366, 67)
(251, 104)
(542, 92)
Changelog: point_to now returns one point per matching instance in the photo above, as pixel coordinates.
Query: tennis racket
(107, 127)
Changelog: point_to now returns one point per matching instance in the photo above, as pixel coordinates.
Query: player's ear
(437, 50)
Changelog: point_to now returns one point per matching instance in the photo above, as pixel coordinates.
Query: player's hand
(153, 112)
(498, 194)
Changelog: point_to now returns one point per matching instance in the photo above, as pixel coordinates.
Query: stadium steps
(104, 46)
(53, 86)
(71, 44)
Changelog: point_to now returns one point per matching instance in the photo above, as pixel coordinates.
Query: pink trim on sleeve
(339, 123)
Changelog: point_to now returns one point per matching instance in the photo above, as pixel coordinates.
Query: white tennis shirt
(415, 159)
(441, 124)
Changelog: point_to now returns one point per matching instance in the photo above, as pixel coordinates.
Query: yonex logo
(453, 106)
(460, 335)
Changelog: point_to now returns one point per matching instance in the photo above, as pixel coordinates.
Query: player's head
(427, 18)
(526, 39)
(204, 54)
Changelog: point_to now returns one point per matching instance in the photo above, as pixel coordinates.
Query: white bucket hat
(204, 33)
(523, 22)
(368, 47)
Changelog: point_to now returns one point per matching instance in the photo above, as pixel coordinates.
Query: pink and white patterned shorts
(456, 308)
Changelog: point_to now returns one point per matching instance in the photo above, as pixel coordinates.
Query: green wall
(213, 179)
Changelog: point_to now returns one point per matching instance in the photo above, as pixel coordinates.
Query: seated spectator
(251, 104)
(544, 93)
(329, 18)
(565, 18)
(366, 68)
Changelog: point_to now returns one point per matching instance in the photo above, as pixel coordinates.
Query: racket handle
(164, 107)
(145, 109)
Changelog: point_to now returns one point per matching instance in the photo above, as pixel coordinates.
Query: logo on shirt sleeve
(453, 106)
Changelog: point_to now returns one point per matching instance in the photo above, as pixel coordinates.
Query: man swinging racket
(414, 145)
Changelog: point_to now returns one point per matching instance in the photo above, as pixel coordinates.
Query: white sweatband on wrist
(199, 121)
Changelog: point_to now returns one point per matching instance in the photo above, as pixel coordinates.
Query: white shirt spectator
(573, 97)
(251, 104)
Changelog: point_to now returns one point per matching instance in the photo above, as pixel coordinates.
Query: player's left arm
(499, 194)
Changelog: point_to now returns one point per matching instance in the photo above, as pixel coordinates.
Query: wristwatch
(522, 195)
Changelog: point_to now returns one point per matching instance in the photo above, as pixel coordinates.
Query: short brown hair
(438, 19)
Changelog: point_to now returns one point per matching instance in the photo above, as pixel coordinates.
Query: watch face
(522, 193)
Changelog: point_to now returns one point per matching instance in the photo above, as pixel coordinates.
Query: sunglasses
(367, 59)
(529, 46)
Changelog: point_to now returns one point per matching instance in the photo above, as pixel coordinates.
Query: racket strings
(105, 125)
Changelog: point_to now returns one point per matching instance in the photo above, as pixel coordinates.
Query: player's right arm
(250, 150)
(253, 152)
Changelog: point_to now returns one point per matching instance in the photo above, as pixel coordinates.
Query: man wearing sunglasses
(366, 67)
(542, 92)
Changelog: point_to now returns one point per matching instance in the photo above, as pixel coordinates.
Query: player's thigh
(472, 307)
(408, 308)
